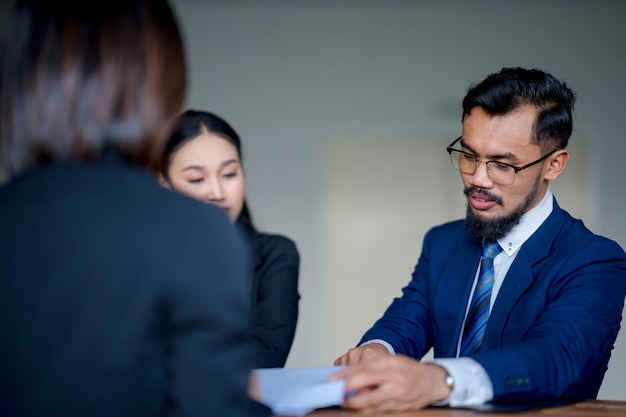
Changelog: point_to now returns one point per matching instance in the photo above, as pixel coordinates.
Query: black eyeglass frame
(516, 169)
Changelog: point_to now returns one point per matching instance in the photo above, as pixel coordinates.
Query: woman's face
(208, 169)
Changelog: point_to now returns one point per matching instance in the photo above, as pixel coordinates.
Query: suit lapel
(518, 279)
(521, 275)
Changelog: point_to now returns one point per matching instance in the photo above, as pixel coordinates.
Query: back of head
(83, 78)
(512, 88)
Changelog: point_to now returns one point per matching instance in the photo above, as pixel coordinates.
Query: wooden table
(583, 409)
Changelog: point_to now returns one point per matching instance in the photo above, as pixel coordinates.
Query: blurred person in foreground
(113, 300)
(519, 301)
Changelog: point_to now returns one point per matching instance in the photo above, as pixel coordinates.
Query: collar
(528, 224)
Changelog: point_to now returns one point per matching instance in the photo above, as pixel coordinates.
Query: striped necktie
(478, 313)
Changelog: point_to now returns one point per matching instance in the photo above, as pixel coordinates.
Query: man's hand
(393, 383)
(365, 353)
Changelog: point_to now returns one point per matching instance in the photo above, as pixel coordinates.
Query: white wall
(296, 78)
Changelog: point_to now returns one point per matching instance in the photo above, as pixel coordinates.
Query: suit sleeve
(206, 312)
(275, 311)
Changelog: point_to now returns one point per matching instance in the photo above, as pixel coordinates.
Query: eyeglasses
(498, 172)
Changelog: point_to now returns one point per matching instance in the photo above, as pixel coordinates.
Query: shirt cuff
(382, 342)
(472, 385)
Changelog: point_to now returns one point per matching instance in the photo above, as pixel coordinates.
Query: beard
(494, 229)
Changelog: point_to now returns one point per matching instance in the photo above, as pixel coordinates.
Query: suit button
(519, 381)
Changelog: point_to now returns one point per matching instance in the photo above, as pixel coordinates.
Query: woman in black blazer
(112, 301)
(203, 160)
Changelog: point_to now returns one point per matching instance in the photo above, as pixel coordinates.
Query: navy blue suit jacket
(553, 324)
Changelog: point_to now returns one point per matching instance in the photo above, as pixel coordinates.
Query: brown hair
(86, 77)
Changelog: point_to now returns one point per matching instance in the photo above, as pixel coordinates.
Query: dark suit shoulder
(570, 239)
(451, 227)
(450, 234)
(266, 248)
(277, 245)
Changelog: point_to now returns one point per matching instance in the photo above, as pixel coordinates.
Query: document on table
(298, 391)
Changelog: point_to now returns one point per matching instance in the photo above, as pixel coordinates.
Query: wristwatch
(450, 382)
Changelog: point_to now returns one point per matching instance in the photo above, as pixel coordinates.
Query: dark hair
(189, 125)
(86, 77)
(511, 88)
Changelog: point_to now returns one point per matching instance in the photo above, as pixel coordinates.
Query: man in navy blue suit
(534, 317)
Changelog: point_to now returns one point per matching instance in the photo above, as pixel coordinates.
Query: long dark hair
(86, 77)
(186, 127)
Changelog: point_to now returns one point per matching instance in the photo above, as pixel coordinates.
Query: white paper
(298, 391)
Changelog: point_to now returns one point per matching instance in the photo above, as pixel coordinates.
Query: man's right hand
(365, 353)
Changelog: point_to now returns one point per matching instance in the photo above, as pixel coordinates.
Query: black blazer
(115, 301)
(274, 294)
